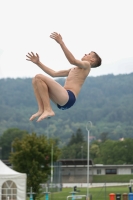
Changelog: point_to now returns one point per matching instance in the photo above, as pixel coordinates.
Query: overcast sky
(104, 26)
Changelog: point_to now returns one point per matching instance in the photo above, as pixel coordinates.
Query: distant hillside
(106, 101)
(123, 66)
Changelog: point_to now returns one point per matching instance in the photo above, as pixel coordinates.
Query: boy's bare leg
(57, 93)
(39, 100)
(46, 89)
(44, 95)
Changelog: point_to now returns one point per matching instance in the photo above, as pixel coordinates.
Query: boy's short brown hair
(97, 61)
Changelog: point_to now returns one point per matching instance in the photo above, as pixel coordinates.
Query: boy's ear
(92, 59)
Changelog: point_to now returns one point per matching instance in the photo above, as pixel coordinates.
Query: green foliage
(74, 151)
(76, 147)
(78, 137)
(112, 152)
(7, 139)
(101, 152)
(107, 101)
(103, 136)
(32, 156)
(94, 151)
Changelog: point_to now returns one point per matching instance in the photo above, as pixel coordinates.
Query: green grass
(99, 193)
(112, 178)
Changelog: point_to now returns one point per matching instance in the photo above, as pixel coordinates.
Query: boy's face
(88, 57)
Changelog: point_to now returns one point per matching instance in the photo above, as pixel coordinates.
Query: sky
(103, 26)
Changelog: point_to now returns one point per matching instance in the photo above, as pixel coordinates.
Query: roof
(75, 161)
(5, 170)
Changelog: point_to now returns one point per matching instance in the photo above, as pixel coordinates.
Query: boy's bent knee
(36, 78)
(40, 76)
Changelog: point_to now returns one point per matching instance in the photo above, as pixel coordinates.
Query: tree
(75, 151)
(78, 137)
(113, 152)
(33, 156)
(7, 138)
(94, 151)
(104, 136)
(76, 148)
(109, 105)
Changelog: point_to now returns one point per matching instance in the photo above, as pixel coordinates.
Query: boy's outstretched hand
(33, 58)
(57, 37)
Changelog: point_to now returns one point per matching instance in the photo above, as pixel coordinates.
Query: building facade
(75, 170)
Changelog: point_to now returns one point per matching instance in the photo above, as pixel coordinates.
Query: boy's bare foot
(46, 114)
(35, 115)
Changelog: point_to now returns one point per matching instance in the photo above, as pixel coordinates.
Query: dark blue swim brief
(70, 102)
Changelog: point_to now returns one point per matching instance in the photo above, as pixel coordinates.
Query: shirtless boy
(46, 88)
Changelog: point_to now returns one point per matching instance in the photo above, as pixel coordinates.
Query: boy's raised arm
(35, 59)
(58, 38)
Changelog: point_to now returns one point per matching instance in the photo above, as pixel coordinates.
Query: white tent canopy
(12, 184)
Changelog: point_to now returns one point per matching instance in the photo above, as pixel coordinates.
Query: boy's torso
(76, 79)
